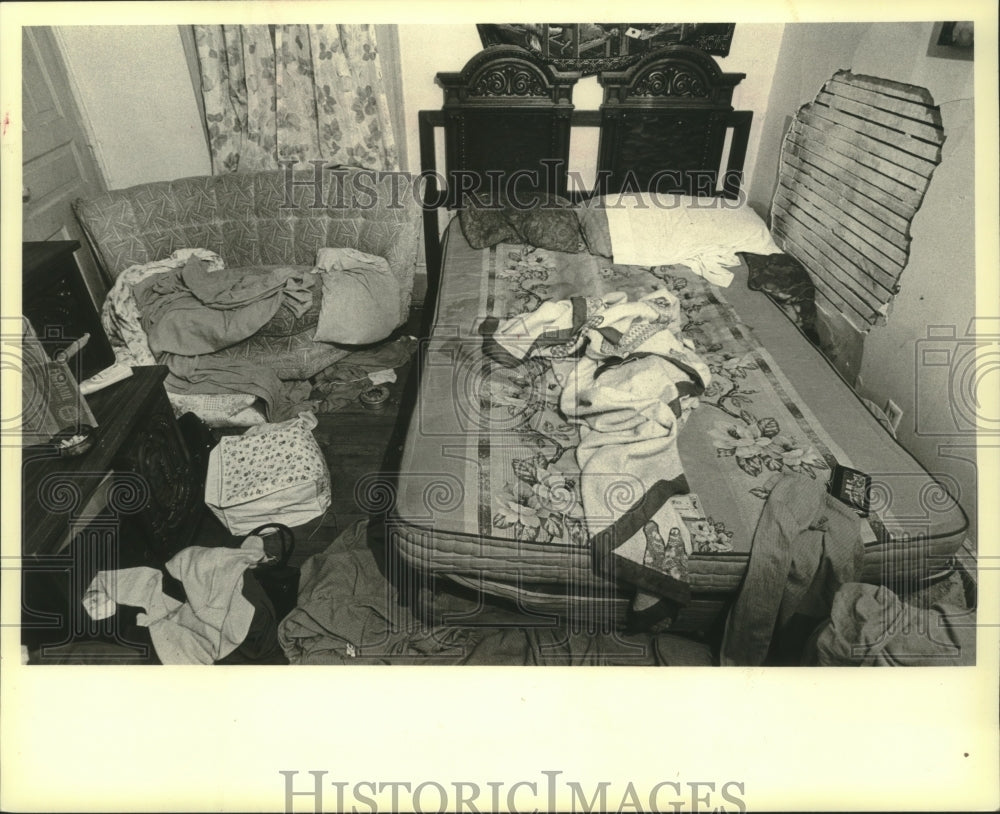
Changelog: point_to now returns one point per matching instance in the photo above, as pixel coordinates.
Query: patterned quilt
(489, 490)
(750, 425)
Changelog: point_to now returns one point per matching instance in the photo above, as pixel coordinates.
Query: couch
(259, 219)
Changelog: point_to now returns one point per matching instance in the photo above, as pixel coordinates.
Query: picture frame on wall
(594, 47)
(952, 40)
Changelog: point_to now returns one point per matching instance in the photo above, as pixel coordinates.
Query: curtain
(299, 92)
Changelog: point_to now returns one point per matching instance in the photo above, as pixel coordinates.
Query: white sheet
(702, 233)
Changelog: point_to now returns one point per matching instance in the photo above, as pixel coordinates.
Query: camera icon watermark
(965, 369)
(48, 400)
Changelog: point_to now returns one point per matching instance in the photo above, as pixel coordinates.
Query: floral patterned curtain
(302, 92)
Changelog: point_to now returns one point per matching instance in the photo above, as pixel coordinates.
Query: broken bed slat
(854, 169)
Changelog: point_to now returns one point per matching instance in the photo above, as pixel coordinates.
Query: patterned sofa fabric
(255, 219)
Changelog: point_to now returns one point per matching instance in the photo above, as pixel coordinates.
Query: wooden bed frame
(665, 124)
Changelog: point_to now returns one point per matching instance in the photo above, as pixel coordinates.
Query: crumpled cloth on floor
(870, 625)
(806, 545)
(206, 375)
(348, 613)
(213, 621)
(340, 384)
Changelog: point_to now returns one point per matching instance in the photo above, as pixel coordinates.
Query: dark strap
(285, 535)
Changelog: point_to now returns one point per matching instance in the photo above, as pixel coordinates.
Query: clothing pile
(231, 337)
(222, 616)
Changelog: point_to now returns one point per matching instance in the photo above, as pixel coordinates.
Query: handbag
(279, 580)
(273, 473)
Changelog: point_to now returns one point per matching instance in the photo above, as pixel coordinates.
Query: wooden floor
(362, 448)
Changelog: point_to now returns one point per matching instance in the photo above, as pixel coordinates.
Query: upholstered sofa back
(253, 219)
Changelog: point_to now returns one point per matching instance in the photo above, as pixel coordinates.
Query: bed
(484, 434)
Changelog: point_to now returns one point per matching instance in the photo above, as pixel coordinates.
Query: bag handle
(285, 535)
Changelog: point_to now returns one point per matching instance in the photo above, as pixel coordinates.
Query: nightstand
(56, 302)
(147, 489)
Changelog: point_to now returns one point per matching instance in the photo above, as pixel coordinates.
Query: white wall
(938, 283)
(137, 99)
(424, 50)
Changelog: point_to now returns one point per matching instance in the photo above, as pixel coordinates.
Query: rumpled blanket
(240, 305)
(192, 310)
(869, 625)
(120, 315)
(190, 307)
(629, 382)
(348, 613)
(213, 621)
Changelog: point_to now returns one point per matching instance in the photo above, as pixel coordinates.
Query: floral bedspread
(747, 429)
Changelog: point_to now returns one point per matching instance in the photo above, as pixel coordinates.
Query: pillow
(484, 227)
(360, 297)
(550, 223)
(594, 227)
(703, 233)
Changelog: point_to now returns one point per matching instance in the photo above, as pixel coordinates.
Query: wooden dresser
(149, 492)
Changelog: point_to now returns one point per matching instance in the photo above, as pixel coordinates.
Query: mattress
(486, 446)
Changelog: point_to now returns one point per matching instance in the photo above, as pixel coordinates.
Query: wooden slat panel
(853, 221)
(853, 194)
(838, 167)
(904, 107)
(894, 121)
(842, 257)
(825, 264)
(845, 255)
(869, 166)
(849, 305)
(857, 260)
(920, 97)
(801, 227)
(915, 154)
(854, 169)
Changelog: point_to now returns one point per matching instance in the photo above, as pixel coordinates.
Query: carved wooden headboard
(509, 116)
(505, 113)
(664, 123)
